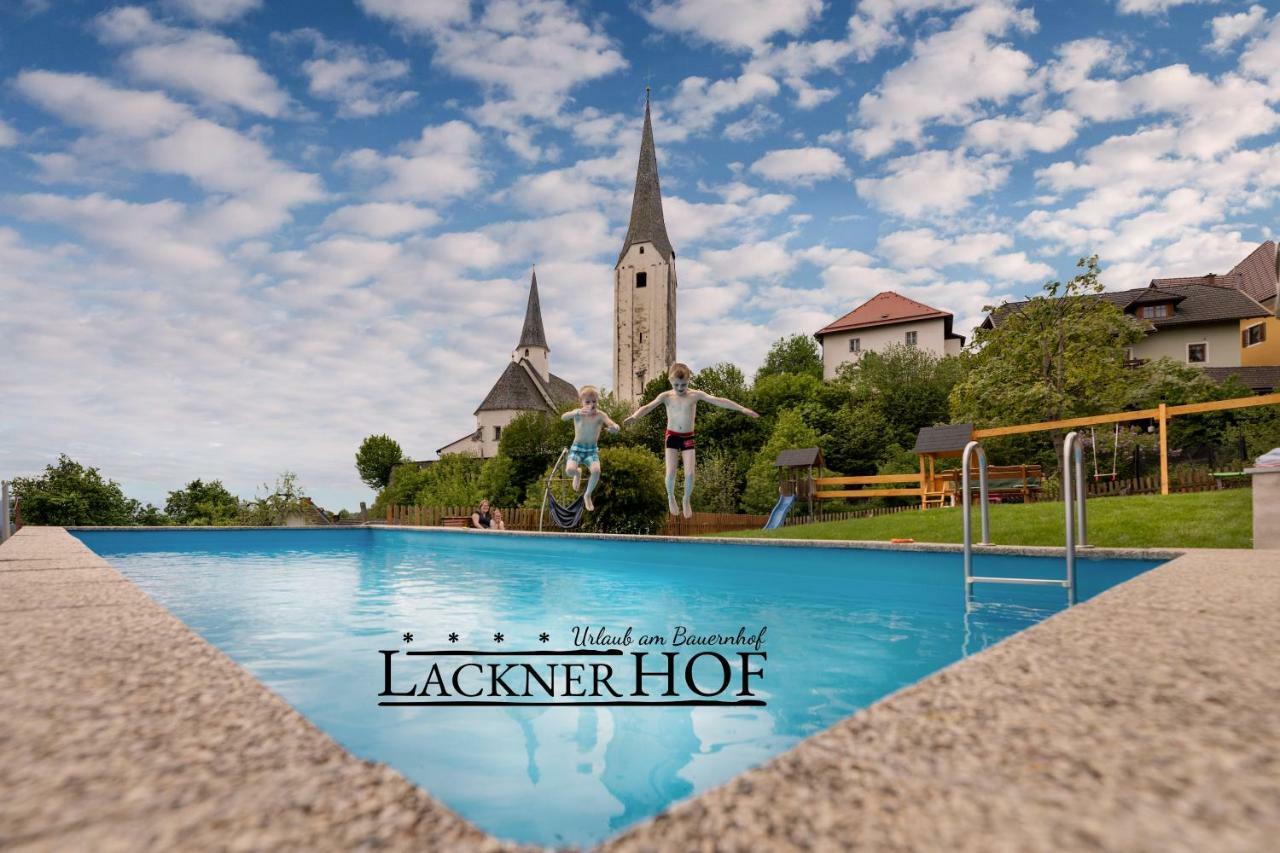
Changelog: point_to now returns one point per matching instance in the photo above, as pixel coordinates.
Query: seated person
(497, 523)
(482, 518)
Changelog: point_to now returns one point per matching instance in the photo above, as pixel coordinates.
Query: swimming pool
(311, 612)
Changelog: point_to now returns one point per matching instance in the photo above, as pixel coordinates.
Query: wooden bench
(456, 521)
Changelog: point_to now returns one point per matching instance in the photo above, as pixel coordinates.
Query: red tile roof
(884, 309)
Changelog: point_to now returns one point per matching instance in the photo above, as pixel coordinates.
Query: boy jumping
(682, 409)
(587, 423)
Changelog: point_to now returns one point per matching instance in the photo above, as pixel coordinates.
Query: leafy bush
(452, 480)
(790, 431)
(717, 485)
(69, 493)
(630, 497)
(275, 504)
(532, 441)
(203, 504)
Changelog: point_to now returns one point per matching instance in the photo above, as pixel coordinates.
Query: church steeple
(644, 283)
(533, 339)
(647, 223)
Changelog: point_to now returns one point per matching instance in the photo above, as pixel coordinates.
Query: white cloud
(737, 24)
(592, 182)
(874, 24)
(8, 136)
(1018, 134)
(796, 61)
(381, 219)
(947, 76)
(196, 62)
(214, 11)
(925, 248)
(767, 259)
(442, 163)
(1152, 7)
(932, 182)
(698, 102)
(85, 101)
(526, 54)
(801, 166)
(1262, 58)
(1229, 29)
(362, 81)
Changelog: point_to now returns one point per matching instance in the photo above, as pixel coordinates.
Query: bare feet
(688, 510)
(586, 500)
(672, 505)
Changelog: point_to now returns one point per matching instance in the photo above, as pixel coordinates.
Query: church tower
(533, 340)
(644, 287)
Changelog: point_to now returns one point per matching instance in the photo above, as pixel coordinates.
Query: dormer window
(1155, 312)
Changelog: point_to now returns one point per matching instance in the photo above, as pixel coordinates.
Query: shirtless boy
(682, 409)
(587, 423)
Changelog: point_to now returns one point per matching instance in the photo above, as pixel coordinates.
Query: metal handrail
(4, 510)
(967, 513)
(1073, 497)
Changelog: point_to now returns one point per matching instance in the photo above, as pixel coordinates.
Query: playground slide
(780, 510)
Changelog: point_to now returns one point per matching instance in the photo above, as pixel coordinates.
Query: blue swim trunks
(584, 454)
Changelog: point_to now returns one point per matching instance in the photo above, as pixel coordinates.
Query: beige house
(526, 385)
(884, 320)
(1225, 323)
(644, 284)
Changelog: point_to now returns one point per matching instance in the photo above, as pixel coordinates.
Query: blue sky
(237, 236)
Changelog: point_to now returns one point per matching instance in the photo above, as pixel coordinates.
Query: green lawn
(1219, 519)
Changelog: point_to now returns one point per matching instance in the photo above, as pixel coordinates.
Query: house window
(642, 250)
(497, 433)
(526, 353)
(855, 344)
(642, 279)
(911, 339)
(1197, 353)
(1153, 312)
(1254, 335)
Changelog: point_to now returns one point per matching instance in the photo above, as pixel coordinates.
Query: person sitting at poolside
(497, 523)
(587, 423)
(682, 408)
(482, 518)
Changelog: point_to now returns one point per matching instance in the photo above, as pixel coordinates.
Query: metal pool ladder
(1073, 497)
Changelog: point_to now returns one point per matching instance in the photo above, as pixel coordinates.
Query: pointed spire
(532, 335)
(647, 223)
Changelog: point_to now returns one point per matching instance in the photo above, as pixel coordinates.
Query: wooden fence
(1186, 481)
(521, 518)
(799, 518)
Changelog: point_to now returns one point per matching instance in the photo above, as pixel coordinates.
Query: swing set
(1099, 476)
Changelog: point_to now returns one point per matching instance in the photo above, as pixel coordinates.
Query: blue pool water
(309, 611)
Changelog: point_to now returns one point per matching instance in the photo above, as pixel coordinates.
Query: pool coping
(1167, 679)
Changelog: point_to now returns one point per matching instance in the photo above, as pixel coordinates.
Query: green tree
(452, 480)
(275, 505)
(718, 483)
(631, 497)
(377, 456)
(790, 431)
(910, 387)
(532, 441)
(203, 504)
(496, 482)
(1058, 355)
(797, 354)
(68, 493)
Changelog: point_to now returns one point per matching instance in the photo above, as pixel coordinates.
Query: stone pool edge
(1165, 679)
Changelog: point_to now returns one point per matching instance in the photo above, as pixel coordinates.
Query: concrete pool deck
(1147, 718)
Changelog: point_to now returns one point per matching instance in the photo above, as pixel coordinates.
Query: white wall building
(883, 320)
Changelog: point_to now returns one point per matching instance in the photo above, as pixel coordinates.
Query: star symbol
(498, 638)
(408, 636)
(453, 637)
(544, 637)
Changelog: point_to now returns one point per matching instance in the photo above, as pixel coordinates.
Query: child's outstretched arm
(609, 424)
(646, 408)
(724, 403)
(570, 415)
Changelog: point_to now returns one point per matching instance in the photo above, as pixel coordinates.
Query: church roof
(522, 388)
(532, 335)
(647, 223)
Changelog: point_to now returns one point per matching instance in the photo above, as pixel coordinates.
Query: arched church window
(642, 250)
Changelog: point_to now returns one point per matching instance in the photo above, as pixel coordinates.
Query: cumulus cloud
(1229, 29)
(195, 62)
(699, 102)
(1152, 7)
(948, 75)
(1262, 57)
(737, 24)
(362, 81)
(85, 101)
(8, 136)
(923, 247)
(381, 219)
(213, 11)
(801, 166)
(442, 163)
(1017, 134)
(874, 24)
(932, 182)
